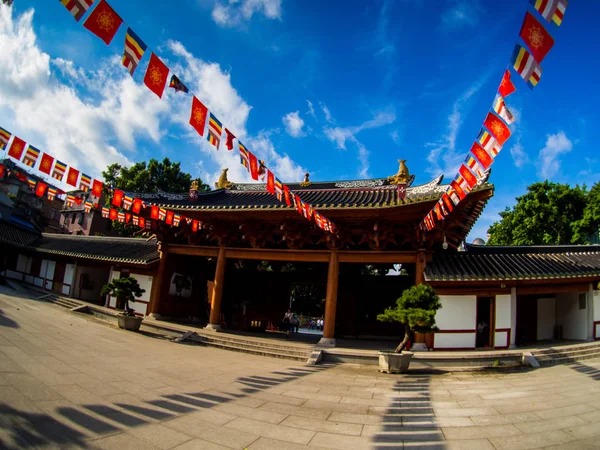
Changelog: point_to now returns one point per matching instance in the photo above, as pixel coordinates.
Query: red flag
(298, 201)
(169, 220)
(198, 116)
(40, 189)
(78, 200)
(459, 191)
(253, 165)
(286, 192)
(497, 127)
(113, 214)
(117, 197)
(229, 139)
(73, 176)
(142, 222)
(447, 202)
(97, 188)
(482, 156)
(506, 86)
(536, 37)
(46, 163)
(103, 22)
(467, 175)
(137, 206)
(154, 212)
(127, 218)
(270, 182)
(194, 225)
(16, 148)
(2, 170)
(156, 75)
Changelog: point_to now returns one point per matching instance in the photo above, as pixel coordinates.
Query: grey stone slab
(583, 431)
(505, 419)
(556, 423)
(530, 441)
(199, 444)
(122, 441)
(278, 432)
(339, 407)
(593, 416)
(465, 412)
(469, 444)
(272, 444)
(335, 441)
(199, 428)
(328, 426)
(480, 432)
(296, 411)
(362, 419)
(159, 435)
(565, 411)
(251, 413)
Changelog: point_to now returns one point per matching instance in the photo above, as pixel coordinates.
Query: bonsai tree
(415, 309)
(125, 289)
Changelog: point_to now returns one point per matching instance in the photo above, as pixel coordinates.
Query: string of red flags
(104, 22)
(533, 44)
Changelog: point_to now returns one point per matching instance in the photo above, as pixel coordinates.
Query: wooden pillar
(158, 282)
(420, 267)
(328, 339)
(217, 292)
(513, 318)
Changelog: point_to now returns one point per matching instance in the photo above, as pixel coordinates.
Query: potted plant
(125, 289)
(416, 310)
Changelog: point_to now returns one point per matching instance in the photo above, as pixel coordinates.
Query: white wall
(458, 312)
(68, 279)
(546, 318)
(596, 306)
(572, 319)
(503, 313)
(145, 282)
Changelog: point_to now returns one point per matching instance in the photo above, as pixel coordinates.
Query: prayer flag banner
(52, 193)
(105, 212)
(117, 198)
(162, 214)
(77, 7)
(46, 163)
(215, 130)
(244, 156)
(526, 66)
(501, 109)
(4, 138)
(127, 217)
(113, 214)
(474, 166)
(469, 178)
(156, 75)
(88, 206)
(559, 14)
(270, 182)
(137, 206)
(59, 170)
(536, 37)
(229, 139)
(104, 22)
(176, 84)
(144, 222)
(253, 165)
(73, 176)
(97, 188)
(121, 216)
(31, 156)
(169, 218)
(154, 212)
(286, 192)
(497, 127)
(176, 219)
(134, 51)
(16, 148)
(40, 189)
(506, 86)
(487, 141)
(2, 171)
(127, 202)
(85, 182)
(194, 225)
(278, 189)
(198, 116)
(482, 155)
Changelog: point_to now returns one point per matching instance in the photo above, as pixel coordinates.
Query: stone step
(569, 359)
(253, 351)
(65, 303)
(241, 341)
(566, 353)
(252, 346)
(567, 348)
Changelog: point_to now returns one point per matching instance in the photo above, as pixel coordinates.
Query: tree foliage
(125, 289)
(151, 177)
(416, 310)
(548, 214)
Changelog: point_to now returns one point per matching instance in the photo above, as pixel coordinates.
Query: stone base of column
(512, 347)
(327, 342)
(155, 316)
(212, 327)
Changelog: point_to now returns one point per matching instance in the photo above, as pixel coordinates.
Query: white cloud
(518, 154)
(237, 12)
(340, 135)
(443, 156)
(548, 161)
(462, 13)
(328, 117)
(395, 135)
(311, 110)
(293, 124)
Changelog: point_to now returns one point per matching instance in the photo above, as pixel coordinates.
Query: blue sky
(341, 89)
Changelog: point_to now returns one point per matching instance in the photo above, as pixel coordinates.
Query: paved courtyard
(71, 381)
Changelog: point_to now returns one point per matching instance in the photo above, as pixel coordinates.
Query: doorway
(484, 337)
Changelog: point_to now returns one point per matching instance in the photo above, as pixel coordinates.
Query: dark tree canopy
(549, 214)
(151, 177)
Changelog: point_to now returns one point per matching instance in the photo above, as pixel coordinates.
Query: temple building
(253, 257)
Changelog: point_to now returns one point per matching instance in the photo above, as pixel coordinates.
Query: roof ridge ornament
(403, 176)
(306, 181)
(223, 182)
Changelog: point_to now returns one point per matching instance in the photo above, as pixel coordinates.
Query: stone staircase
(567, 354)
(68, 303)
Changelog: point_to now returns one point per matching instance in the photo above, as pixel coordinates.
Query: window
(582, 301)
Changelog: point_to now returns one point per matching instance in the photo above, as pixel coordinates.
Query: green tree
(416, 310)
(586, 229)
(125, 289)
(151, 177)
(545, 215)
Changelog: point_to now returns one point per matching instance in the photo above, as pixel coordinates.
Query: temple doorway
(485, 322)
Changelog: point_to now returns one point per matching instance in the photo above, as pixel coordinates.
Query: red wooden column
(420, 266)
(217, 292)
(328, 339)
(158, 282)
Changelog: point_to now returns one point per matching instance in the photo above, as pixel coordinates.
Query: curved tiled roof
(16, 235)
(490, 263)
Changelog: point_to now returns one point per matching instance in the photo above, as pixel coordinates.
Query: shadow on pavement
(586, 370)
(7, 321)
(409, 421)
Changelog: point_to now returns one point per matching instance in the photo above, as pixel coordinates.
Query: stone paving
(71, 381)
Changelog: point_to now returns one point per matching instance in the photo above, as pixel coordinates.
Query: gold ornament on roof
(223, 182)
(306, 181)
(402, 176)
(194, 186)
